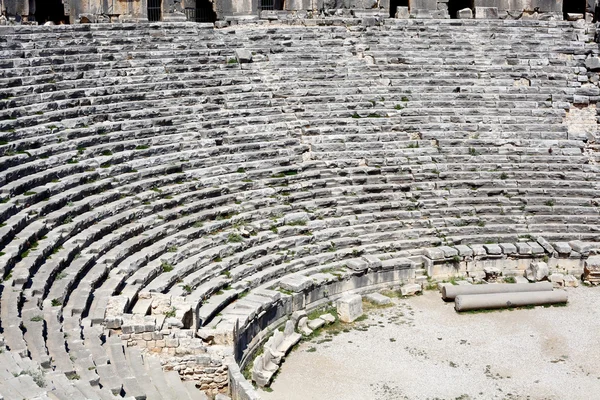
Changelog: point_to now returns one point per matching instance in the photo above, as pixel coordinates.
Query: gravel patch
(420, 348)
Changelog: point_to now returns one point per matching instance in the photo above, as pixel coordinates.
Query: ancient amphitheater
(172, 193)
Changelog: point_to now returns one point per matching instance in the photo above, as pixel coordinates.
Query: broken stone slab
(521, 279)
(537, 271)
(410, 289)
(243, 56)
(570, 281)
(491, 274)
(374, 262)
(349, 308)
(316, 323)
(378, 298)
(558, 280)
(328, 318)
(545, 244)
(536, 248)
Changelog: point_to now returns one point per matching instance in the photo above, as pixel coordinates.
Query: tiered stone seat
(145, 160)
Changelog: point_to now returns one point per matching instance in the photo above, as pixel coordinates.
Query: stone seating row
(104, 255)
(115, 88)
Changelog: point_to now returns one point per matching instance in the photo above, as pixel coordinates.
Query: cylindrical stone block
(469, 302)
(449, 292)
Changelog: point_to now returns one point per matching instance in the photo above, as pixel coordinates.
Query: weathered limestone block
(349, 307)
(296, 5)
(422, 5)
(465, 13)
(410, 289)
(493, 249)
(297, 218)
(378, 298)
(558, 280)
(508, 248)
(328, 318)
(216, 336)
(435, 253)
(374, 262)
(570, 281)
(296, 283)
(161, 303)
(545, 244)
(402, 13)
(537, 271)
(357, 264)
(316, 323)
(562, 248)
(115, 308)
(574, 16)
(580, 247)
(464, 250)
(486, 12)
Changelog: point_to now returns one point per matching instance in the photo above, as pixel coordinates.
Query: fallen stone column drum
(449, 292)
(468, 302)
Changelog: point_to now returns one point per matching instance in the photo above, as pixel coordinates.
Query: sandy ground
(420, 348)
